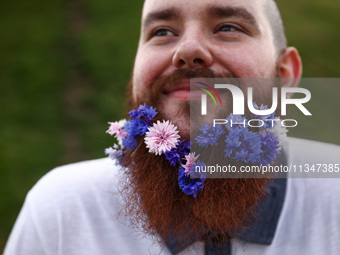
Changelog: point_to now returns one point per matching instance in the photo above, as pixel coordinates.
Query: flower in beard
(243, 145)
(135, 129)
(192, 183)
(175, 155)
(161, 137)
(139, 124)
(210, 135)
(268, 120)
(279, 131)
(116, 129)
(144, 113)
(114, 153)
(190, 160)
(236, 121)
(270, 146)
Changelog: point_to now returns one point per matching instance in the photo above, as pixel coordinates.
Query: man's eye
(163, 32)
(227, 28)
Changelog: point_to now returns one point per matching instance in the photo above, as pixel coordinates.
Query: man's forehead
(199, 7)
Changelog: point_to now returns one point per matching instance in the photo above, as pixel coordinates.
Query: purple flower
(210, 135)
(193, 182)
(243, 145)
(236, 121)
(267, 119)
(270, 146)
(175, 155)
(135, 128)
(144, 113)
(139, 124)
(162, 137)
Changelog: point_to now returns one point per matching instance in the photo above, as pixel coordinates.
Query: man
(76, 209)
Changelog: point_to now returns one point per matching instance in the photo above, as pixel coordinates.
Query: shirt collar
(267, 216)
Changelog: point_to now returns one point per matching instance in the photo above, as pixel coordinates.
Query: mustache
(170, 80)
(163, 82)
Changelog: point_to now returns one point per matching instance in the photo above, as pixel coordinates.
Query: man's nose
(192, 52)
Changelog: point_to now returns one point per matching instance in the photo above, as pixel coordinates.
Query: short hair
(275, 20)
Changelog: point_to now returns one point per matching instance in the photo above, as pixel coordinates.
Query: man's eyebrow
(238, 12)
(167, 14)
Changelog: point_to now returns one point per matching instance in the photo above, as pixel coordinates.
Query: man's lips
(181, 91)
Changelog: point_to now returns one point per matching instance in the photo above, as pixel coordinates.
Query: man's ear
(291, 66)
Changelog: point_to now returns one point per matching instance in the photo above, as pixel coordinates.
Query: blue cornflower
(139, 123)
(135, 128)
(267, 119)
(243, 145)
(236, 121)
(176, 155)
(270, 146)
(193, 182)
(144, 113)
(210, 135)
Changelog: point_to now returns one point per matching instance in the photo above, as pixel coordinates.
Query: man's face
(229, 37)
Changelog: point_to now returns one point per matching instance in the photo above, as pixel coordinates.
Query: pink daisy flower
(116, 128)
(161, 137)
(191, 159)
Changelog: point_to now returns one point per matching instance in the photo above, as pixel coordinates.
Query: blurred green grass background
(64, 66)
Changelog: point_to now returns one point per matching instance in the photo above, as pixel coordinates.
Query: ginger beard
(153, 201)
